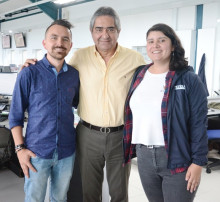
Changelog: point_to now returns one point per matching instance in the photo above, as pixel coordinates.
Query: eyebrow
(58, 36)
(163, 37)
(53, 35)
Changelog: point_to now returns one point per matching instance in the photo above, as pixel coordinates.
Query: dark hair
(177, 60)
(102, 11)
(61, 22)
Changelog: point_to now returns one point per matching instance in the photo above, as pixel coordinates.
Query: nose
(59, 41)
(155, 44)
(105, 33)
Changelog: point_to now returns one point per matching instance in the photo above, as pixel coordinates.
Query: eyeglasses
(109, 30)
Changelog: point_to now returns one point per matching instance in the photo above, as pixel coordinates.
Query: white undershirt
(145, 105)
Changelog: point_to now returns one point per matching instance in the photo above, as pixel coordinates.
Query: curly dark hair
(177, 60)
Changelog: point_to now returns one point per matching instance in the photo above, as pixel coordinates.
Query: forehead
(156, 34)
(58, 30)
(104, 21)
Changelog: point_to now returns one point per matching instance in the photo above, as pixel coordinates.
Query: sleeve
(75, 60)
(198, 122)
(140, 60)
(19, 101)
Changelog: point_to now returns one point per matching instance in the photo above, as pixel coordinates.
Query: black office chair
(8, 158)
(214, 138)
(5, 145)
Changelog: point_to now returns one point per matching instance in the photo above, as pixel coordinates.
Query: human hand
(193, 177)
(24, 156)
(28, 62)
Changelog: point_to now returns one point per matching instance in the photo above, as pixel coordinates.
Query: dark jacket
(186, 121)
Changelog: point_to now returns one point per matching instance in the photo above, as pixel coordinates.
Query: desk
(5, 123)
(214, 99)
(213, 112)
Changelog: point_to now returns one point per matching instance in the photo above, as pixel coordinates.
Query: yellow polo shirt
(103, 89)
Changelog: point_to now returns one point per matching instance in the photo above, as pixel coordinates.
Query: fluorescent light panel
(63, 1)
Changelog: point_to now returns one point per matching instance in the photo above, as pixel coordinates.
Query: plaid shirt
(129, 149)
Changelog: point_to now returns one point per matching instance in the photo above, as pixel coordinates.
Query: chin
(60, 56)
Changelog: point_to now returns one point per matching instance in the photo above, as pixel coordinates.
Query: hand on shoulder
(28, 62)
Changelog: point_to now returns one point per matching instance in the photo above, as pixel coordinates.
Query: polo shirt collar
(116, 51)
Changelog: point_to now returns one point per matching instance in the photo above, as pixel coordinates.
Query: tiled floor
(11, 187)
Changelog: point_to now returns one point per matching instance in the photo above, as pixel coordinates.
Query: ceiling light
(218, 20)
(63, 1)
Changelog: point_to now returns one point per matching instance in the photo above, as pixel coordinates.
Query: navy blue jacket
(186, 121)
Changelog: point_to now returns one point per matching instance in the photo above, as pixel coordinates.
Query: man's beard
(59, 55)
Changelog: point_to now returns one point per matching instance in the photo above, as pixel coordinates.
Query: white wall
(134, 27)
(136, 18)
(33, 28)
(209, 43)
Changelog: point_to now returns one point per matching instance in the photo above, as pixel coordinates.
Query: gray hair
(103, 11)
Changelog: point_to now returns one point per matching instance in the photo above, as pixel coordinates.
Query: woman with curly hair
(166, 120)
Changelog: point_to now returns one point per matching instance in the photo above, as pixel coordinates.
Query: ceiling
(9, 5)
(13, 9)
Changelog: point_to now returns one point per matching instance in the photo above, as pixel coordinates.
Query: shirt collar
(48, 65)
(65, 67)
(116, 51)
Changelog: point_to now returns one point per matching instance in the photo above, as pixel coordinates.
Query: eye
(66, 39)
(99, 29)
(150, 41)
(53, 37)
(111, 29)
(162, 40)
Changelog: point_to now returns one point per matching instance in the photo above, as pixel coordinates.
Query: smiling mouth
(155, 52)
(105, 41)
(59, 49)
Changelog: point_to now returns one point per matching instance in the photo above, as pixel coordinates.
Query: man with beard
(47, 90)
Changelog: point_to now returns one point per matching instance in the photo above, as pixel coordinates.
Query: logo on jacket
(180, 87)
